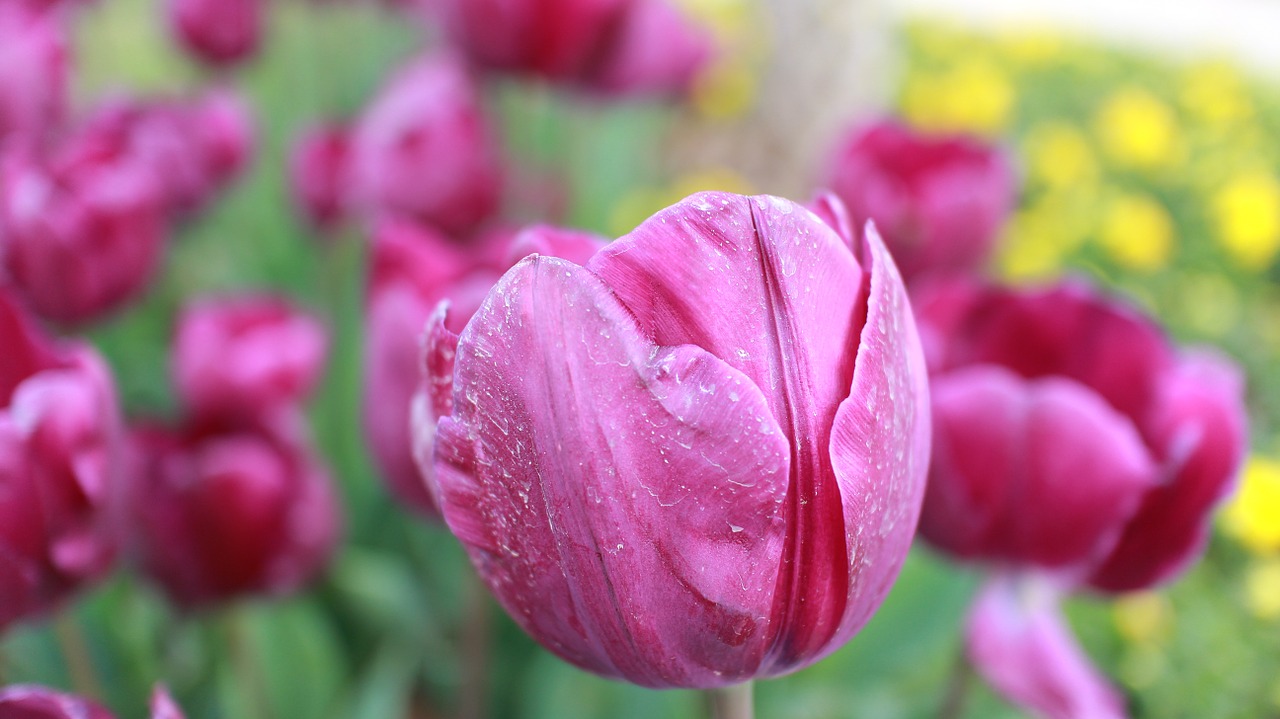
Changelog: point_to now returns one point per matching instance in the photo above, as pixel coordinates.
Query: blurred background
(1146, 136)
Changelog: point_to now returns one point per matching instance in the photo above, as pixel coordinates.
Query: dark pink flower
(697, 459)
(424, 149)
(320, 175)
(246, 355)
(230, 508)
(81, 232)
(60, 488)
(412, 271)
(939, 201)
(33, 73)
(613, 46)
(218, 32)
(27, 701)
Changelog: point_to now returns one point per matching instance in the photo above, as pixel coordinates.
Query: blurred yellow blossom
(1262, 589)
(1215, 92)
(974, 95)
(1138, 129)
(1143, 617)
(1137, 232)
(1247, 212)
(724, 90)
(1038, 239)
(1031, 46)
(1253, 514)
(728, 86)
(1059, 155)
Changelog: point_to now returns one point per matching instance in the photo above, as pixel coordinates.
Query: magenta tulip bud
(1019, 642)
(424, 149)
(81, 234)
(940, 201)
(320, 175)
(217, 32)
(413, 270)
(611, 46)
(227, 509)
(60, 489)
(163, 706)
(246, 355)
(1116, 446)
(33, 72)
(223, 129)
(697, 459)
(26, 701)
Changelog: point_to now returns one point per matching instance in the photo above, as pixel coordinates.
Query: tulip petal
(775, 292)
(434, 397)
(880, 441)
(1199, 424)
(1018, 642)
(594, 476)
(24, 353)
(1036, 471)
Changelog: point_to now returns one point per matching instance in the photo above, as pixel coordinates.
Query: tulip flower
(1073, 446)
(26, 701)
(610, 46)
(217, 32)
(81, 233)
(699, 458)
(320, 175)
(939, 200)
(59, 483)
(228, 508)
(424, 149)
(246, 356)
(413, 270)
(33, 72)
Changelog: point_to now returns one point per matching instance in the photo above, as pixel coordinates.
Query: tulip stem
(244, 665)
(733, 702)
(957, 692)
(76, 656)
(475, 640)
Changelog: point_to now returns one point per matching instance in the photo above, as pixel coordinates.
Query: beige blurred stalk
(795, 74)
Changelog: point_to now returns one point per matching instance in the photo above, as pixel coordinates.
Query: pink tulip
(246, 355)
(33, 73)
(613, 46)
(424, 149)
(1072, 444)
(697, 459)
(412, 271)
(229, 508)
(940, 201)
(217, 32)
(36, 702)
(81, 232)
(59, 483)
(320, 175)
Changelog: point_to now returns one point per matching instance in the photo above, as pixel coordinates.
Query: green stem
(245, 670)
(957, 692)
(733, 702)
(475, 640)
(76, 656)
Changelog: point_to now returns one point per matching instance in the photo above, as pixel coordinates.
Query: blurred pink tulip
(33, 73)
(424, 149)
(611, 46)
(81, 232)
(940, 201)
(696, 460)
(60, 486)
(413, 270)
(246, 355)
(230, 508)
(218, 32)
(320, 175)
(27, 701)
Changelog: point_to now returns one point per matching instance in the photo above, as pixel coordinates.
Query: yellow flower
(1143, 618)
(1137, 232)
(724, 90)
(1038, 240)
(1031, 47)
(1059, 155)
(1262, 589)
(974, 96)
(1216, 93)
(1138, 129)
(1253, 514)
(1247, 211)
